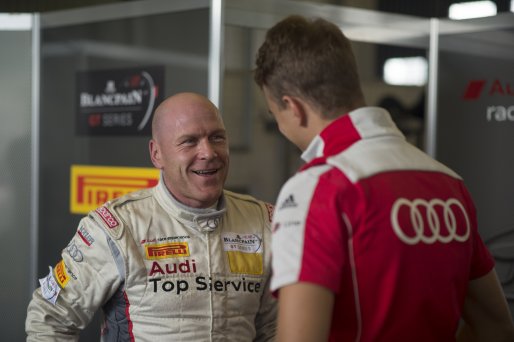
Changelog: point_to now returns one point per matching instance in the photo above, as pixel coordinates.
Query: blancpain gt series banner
(118, 102)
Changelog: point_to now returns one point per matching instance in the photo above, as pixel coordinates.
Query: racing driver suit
(159, 269)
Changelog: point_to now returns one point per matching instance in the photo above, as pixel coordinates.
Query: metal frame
(433, 64)
(135, 9)
(30, 22)
(116, 11)
(216, 45)
(358, 24)
(501, 44)
(450, 30)
(34, 154)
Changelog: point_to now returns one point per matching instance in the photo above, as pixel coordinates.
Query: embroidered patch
(107, 217)
(167, 250)
(85, 236)
(49, 288)
(74, 251)
(244, 252)
(246, 243)
(61, 275)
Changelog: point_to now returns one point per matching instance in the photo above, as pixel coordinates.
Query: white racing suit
(161, 271)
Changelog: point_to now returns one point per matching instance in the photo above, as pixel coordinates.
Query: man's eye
(218, 138)
(189, 141)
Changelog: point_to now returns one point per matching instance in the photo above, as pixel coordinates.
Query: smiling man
(184, 261)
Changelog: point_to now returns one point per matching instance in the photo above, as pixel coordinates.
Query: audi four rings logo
(74, 252)
(441, 218)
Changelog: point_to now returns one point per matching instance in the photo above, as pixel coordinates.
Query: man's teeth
(204, 172)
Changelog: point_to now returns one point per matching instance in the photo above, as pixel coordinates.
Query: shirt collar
(365, 122)
(202, 220)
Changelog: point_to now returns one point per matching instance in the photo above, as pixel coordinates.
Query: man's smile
(205, 172)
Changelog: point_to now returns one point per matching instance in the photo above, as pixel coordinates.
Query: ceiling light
(472, 9)
(15, 22)
(408, 71)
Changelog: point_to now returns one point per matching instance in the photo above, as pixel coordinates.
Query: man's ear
(298, 109)
(155, 153)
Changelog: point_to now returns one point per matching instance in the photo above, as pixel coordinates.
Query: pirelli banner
(91, 186)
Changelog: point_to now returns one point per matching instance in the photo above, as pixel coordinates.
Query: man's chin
(210, 195)
(210, 185)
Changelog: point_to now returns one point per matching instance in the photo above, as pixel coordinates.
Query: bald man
(184, 261)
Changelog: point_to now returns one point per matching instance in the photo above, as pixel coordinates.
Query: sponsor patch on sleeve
(61, 275)
(244, 252)
(107, 217)
(85, 236)
(49, 288)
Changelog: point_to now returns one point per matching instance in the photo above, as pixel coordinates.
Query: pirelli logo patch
(92, 186)
(61, 275)
(167, 250)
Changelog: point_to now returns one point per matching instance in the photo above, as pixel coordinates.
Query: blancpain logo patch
(246, 243)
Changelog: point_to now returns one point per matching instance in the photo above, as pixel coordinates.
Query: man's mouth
(206, 172)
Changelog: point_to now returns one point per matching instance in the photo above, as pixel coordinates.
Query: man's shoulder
(111, 215)
(307, 176)
(247, 202)
(237, 197)
(131, 197)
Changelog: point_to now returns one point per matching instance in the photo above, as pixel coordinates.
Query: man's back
(389, 230)
(413, 247)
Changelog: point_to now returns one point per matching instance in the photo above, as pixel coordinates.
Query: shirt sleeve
(482, 262)
(309, 241)
(75, 288)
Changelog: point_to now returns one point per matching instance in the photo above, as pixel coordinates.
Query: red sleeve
(482, 262)
(325, 244)
(309, 240)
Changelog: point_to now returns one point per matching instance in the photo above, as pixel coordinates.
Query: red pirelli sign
(91, 186)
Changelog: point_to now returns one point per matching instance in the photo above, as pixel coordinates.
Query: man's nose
(206, 149)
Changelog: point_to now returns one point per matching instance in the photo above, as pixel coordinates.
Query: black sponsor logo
(203, 283)
(163, 239)
(289, 202)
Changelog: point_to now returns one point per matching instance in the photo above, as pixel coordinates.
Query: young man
(184, 261)
(373, 240)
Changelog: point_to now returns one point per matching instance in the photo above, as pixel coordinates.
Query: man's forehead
(201, 132)
(194, 119)
(194, 128)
